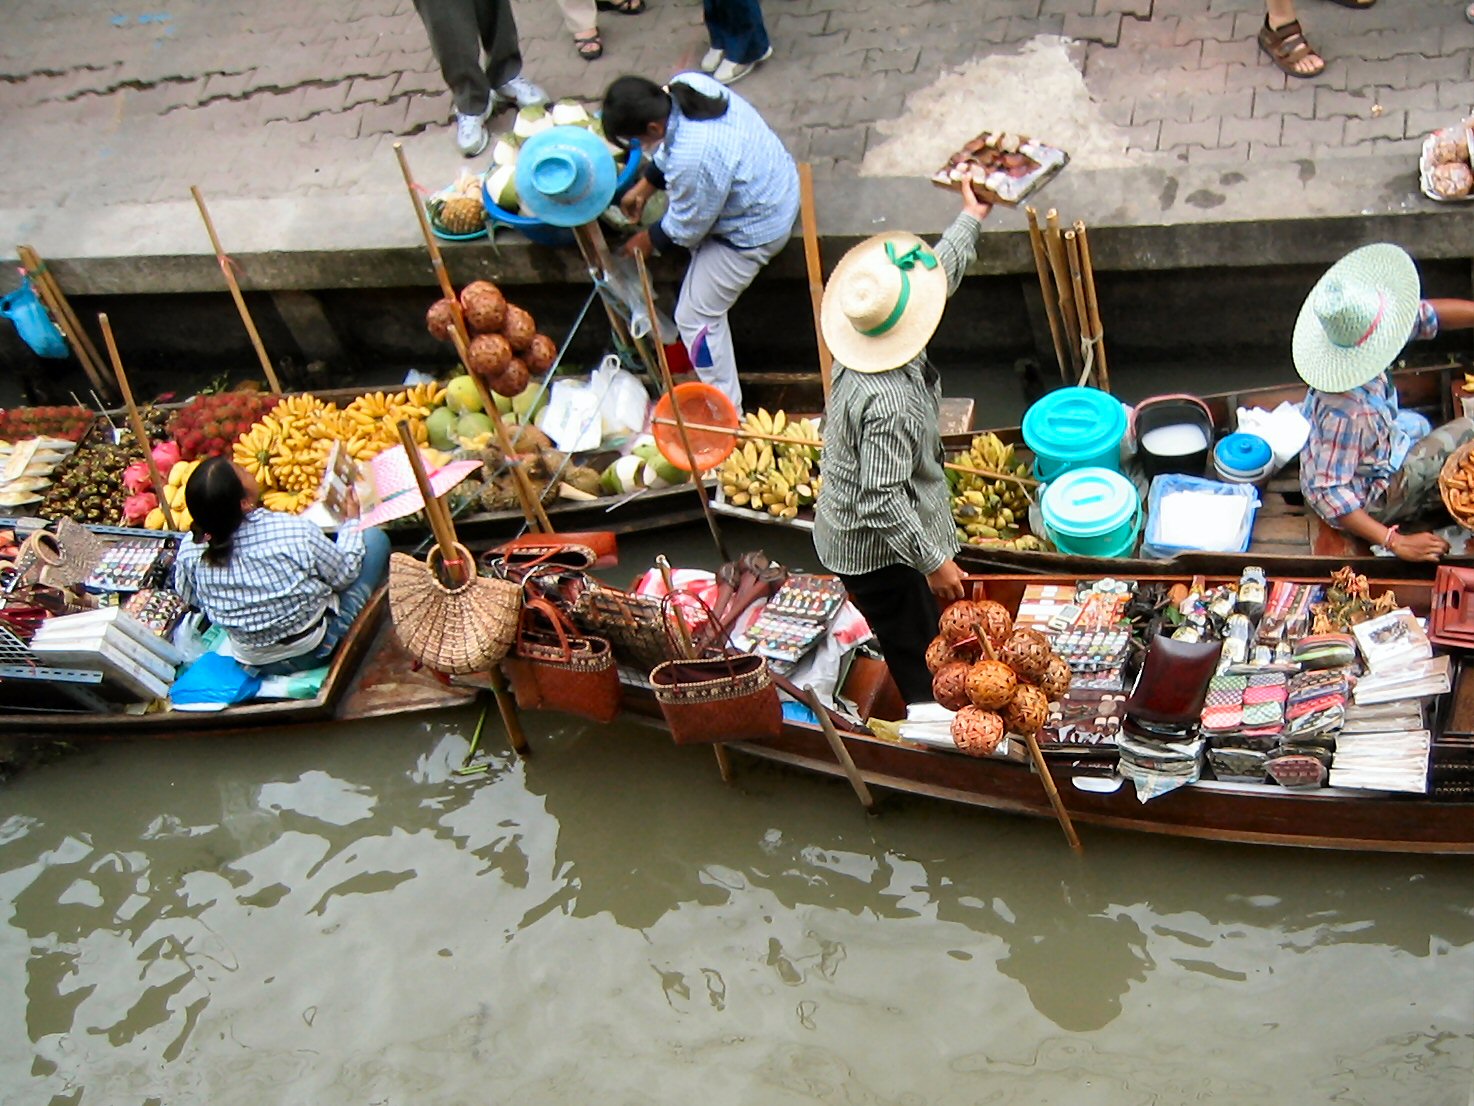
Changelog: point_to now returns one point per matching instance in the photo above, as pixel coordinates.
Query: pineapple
(462, 215)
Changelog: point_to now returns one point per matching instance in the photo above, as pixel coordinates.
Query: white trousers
(718, 274)
(578, 15)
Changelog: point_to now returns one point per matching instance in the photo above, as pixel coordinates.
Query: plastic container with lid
(1075, 428)
(1243, 459)
(1092, 512)
(1173, 434)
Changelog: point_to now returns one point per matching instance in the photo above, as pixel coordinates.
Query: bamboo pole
(437, 513)
(668, 385)
(140, 432)
(815, 265)
(724, 759)
(1092, 307)
(1077, 289)
(1048, 293)
(595, 252)
(235, 292)
(841, 754)
(1040, 764)
(63, 315)
(1060, 267)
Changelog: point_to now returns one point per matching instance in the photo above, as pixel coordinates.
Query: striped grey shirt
(885, 499)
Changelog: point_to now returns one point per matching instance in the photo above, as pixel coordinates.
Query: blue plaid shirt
(728, 177)
(1346, 461)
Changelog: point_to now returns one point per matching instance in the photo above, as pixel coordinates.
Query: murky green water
(339, 918)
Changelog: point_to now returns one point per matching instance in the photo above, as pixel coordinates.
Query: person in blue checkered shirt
(733, 200)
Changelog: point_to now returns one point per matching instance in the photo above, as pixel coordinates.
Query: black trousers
(459, 30)
(901, 610)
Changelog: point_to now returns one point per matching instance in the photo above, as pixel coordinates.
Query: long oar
(724, 759)
(227, 266)
(140, 432)
(438, 515)
(1048, 293)
(61, 312)
(841, 754)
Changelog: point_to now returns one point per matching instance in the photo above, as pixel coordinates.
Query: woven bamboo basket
(1459, 498)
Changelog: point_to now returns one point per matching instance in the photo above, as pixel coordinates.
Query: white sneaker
(522, 92)
(471, 136)
(711, 59)
(730, 72)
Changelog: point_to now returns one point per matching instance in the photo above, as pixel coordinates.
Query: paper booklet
(1392, 639)
(1412, 680)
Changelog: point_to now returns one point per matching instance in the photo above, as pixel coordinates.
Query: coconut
(530, 121)
(570, 113)
(627, 473)
(488, 357)
(511, 380)
(519, 328)
(501, 186)
(440, 319)
(505, 152)
(542, 351)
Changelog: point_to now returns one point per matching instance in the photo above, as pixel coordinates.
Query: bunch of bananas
(368, 425)
(987, 509)
(777, 478)
(174, 483)
(287, 451)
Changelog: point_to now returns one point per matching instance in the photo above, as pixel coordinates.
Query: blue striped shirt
(728, 177)
(281, 575)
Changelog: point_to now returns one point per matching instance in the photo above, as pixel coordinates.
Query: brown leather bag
(553, 667)
(1174, 681)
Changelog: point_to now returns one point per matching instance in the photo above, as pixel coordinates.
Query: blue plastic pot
(1243, 459)
(35, 326)
(1074, 428)
(544, 234)
(1092, 512)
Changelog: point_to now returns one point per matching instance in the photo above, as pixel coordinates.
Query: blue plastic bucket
(35, 326)
(1092, 512)
(1243, 459)
(545, 234)
(1075, 428)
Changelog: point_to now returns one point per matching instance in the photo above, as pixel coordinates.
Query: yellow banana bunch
(290, 503)
(371, 422)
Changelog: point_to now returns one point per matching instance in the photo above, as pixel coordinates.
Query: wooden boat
(1288, 538)
(1264, 814)
(370, 677)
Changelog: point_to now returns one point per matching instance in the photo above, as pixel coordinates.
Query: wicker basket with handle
(1456, 485)
(456, 628)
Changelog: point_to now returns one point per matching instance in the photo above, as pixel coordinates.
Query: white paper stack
(1382, 761)
(1410, 680)
(1400, 715)
(130, 656)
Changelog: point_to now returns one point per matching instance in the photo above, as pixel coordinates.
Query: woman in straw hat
(283, 592)
(1367, 466)
(884, 523)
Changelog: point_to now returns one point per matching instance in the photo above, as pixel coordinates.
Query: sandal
(590, 47)
(1286, 47)
(1358, 4)
(623, 7)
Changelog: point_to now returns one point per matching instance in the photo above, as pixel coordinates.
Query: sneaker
(522, 92)
(471, 136)
(711, 59)
(730, 72)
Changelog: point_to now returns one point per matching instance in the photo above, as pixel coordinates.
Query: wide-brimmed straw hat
(395, 493)
(883, 302)
(1356, 318)
(565, 176)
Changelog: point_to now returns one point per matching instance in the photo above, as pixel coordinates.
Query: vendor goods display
(796, 617)
(27, 469)
(989, 512)
(1456, 485)
(71, 423)
(501, 333)
(1005, 167)
(88, 486)
(159, 609)
(778, 477)
(209, 425)
(127, 565)
(1443, 166)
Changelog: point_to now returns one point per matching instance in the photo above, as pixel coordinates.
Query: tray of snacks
(1444, 170)
(1006, 167)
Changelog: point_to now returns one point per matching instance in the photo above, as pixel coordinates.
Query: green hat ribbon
(917, 254)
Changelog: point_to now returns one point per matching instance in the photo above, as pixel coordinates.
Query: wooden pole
(1040, 764)
(1048, 293)
(65, 318)
(140, 432)
(1077, 290)
(1059, 266)
(438, 515)
(235, 292)
(667, 383)
(595, 252)
(1092, 307)
(841, 754)
(724, 759)
(436, 261)
(815, 266)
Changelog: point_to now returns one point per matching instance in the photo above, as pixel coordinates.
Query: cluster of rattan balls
(1004, 689)
(506, 350)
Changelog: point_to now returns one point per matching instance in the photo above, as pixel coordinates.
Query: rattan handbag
(456, 628)
(730, 697)
(634, 625)
(552, 667)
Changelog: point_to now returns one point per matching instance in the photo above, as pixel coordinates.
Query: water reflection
(343, 919)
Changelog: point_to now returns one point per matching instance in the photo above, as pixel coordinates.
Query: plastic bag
(624, 405)
(35, 326)
(1188, 513)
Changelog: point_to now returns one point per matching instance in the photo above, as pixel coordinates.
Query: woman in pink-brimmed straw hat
(1367, 466)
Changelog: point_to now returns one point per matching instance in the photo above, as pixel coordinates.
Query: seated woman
(1368, 466)
(283, 592)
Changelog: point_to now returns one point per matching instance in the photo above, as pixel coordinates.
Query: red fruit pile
(208, 425)
(20, 423)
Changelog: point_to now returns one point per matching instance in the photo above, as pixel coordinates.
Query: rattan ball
(519, 328)
(541, 354)
(959, 619)
(512, 381)
(997, 623)
(977, 732)
(484, 306)
(488, 355)
(949, 685)
(1056, 679)
(441, 319)
(990, 684)
(938, 653)
(1027, 711)
(1027, 653)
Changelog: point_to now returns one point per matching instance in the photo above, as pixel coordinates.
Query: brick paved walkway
(116, 104)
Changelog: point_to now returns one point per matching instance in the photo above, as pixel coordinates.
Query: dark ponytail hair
(632, 103)
(213, 495)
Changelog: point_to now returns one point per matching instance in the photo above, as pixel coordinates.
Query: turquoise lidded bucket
(1075, 428)
(1092, 512)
